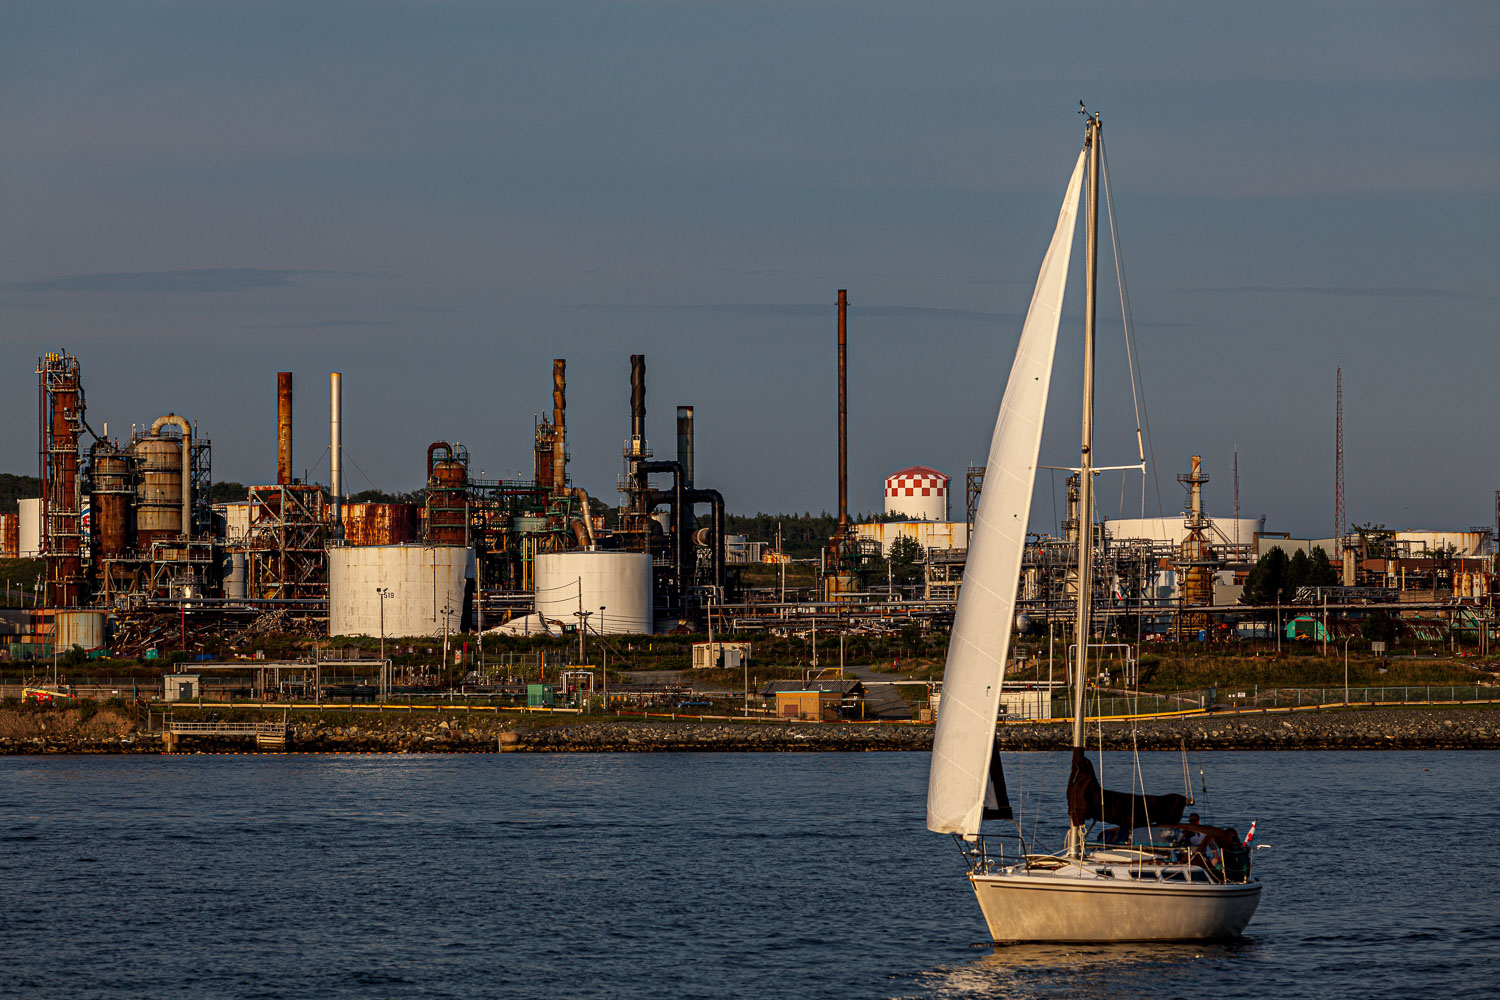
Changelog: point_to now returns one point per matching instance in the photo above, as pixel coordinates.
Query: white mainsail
(980, 643)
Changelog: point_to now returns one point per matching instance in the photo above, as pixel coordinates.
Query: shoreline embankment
(110, 731)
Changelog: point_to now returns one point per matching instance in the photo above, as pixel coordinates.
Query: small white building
(727, 654)
(918, 492)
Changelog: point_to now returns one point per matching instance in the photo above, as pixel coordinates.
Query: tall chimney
(637, 403)
(336, 449)
(559, 424)
(685, 444)
(843, 412)
(283, 427)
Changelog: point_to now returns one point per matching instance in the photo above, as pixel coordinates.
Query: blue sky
(439, 198)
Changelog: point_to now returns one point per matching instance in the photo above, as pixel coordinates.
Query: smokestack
(336, 449)
(685, 444)
(638, 403)
(843, 412)
(283, 427)
(559, 424)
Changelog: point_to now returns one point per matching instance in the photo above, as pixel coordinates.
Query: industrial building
(126, 532)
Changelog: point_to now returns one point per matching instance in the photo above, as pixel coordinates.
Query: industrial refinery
(138, 559)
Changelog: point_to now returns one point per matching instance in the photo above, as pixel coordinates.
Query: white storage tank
(919, 493)
(619, 582)
(428, 587)
(30, 538)
(79, 628)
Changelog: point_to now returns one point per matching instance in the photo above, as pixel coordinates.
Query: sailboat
(1171, 880)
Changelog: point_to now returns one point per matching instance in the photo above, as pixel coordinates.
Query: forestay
(980, 643)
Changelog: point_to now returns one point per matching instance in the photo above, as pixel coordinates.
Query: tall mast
(1082, 628)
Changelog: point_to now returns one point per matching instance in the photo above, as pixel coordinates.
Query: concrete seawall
(1437, 728)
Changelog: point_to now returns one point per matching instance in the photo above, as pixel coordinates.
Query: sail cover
(1088, 801)
(980, 643)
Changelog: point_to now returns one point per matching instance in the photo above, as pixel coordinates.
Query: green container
(540, 696)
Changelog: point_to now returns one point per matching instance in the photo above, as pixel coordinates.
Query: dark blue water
(694, 875)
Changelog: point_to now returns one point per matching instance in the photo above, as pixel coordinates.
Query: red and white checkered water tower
(920, 493)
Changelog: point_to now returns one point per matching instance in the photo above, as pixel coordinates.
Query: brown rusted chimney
(559, 424)
(284, 427)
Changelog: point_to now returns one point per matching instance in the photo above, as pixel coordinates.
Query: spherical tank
(158, 496)
(919, 493)
(619, 582)
(430, 587)
(379, 523)
(111, 505)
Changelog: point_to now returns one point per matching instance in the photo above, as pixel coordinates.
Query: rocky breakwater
(630, 736)
(1459, 728)
(29, 730)
(72, 730)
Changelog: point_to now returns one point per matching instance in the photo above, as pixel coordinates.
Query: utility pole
(384, 593)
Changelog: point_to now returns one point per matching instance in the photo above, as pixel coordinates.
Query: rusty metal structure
(447, 494)
(60, 408)
(1197, 562)
(287, 545)
(381, 523)
(284, 473)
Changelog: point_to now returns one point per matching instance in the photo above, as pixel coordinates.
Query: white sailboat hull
(1037, 907)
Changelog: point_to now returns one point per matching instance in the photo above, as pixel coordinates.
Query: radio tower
(1338, 463)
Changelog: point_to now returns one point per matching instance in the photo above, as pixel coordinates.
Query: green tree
(1296, 573)
(1266, 578)
(904, 556)
(1321, 571)
(1379, 626)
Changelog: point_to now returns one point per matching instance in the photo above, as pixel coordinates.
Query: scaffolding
(287, 544)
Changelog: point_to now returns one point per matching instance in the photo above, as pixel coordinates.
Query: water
(693, 875)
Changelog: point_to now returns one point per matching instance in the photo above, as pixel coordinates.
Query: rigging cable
(1138, 397)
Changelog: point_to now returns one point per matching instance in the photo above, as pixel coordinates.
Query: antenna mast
(1236, 497)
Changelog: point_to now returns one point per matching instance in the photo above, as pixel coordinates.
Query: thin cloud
(332, 324)
(1338, 290)
(190, 281)
(800, 310)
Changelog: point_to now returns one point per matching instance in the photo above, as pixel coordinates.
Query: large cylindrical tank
(428, 586)
(619, 582)
(919, 493)
(111, 505)
(79, 628)
(380, 523)
(158, 497)
(236, 576)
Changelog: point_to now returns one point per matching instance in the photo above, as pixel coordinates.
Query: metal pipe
(336, 449)
(187, 465)
(681, 544)
(685, 444)
(588, 516)
(559, 424)
(843, 412)
(283, 428)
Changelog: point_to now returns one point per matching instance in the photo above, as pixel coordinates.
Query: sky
(438, 198)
